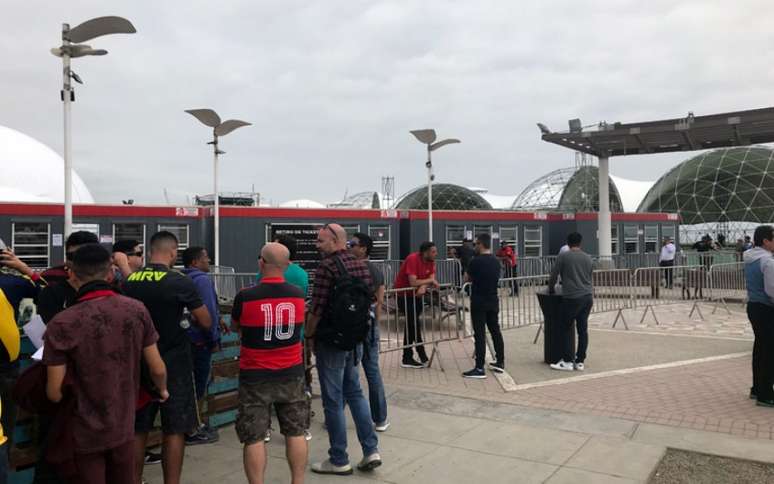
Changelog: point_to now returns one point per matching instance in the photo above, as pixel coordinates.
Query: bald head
(274, 260)
(331, 238)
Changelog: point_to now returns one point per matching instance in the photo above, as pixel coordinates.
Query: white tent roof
(302, 203)
(631, 191)
(33, 172)
(498, 202)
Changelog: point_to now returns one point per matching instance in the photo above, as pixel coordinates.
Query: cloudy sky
(333, 87)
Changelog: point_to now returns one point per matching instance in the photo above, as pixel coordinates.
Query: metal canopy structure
(740, 128)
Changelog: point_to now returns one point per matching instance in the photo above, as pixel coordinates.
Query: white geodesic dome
(33, 172)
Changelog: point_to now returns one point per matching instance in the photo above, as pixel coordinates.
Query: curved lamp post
(210, 118)
(427, 136)
(71, 48)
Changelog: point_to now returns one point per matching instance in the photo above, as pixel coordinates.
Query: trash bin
(553, 333)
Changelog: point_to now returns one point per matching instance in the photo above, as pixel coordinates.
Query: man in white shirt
(667, 259)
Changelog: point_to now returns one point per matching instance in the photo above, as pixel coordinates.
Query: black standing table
(554, 334)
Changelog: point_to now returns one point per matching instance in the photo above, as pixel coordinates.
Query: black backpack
(347, 318)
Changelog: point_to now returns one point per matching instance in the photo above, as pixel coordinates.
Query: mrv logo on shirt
(147, 275)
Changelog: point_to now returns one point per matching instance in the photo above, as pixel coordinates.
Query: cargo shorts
(255, 402)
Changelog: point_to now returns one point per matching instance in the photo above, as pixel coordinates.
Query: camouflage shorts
(255, 402)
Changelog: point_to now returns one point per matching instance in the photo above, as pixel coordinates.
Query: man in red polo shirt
(418, 272)
(269, 317)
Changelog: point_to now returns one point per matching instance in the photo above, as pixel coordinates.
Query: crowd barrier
(727, 285)
(409, 321)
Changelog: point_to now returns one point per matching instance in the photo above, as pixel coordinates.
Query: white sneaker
(562, 366)
(579, 366)
(369, 462)
(326, 467)
(382, 426)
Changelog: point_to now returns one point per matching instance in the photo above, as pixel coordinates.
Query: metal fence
(409, 320)
(412, 321)
(727, 285)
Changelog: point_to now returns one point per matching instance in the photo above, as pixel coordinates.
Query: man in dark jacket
(60, 290)
(203, 341)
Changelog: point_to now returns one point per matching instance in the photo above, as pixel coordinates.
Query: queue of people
(153, 330)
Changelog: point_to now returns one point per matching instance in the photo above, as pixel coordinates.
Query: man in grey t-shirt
(575, 268)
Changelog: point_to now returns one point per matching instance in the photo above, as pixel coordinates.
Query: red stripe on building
(270, 359)
(55, 210)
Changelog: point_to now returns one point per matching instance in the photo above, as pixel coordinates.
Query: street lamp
(427, 136)
(71, 48)
(210, 118)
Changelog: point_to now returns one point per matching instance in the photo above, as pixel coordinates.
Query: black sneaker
(152, 457)
(475, 373)
(201, 437)
(411, 363)
(497, 367)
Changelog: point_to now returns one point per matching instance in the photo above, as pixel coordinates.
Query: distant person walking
(574, 267)
(667, 259)
(759, 276)
(484, 276)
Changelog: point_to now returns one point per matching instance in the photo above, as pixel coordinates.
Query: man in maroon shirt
(100, 340)
(269, 317)
(417, 272)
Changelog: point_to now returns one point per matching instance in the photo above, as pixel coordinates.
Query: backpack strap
(340, 265)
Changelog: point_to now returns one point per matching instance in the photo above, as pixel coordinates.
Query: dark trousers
(4, 463)
(412, 307)
(576, 309)
(484, 317)
(761, 317)
(112, 466)
(201, 355)
(668, 271)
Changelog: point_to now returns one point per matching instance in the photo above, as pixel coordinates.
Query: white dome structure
(33, 172)
(301, 203)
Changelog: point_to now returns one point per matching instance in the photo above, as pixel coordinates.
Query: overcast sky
(333, 87)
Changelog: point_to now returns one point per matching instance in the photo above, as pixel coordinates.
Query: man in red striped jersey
(269, 318)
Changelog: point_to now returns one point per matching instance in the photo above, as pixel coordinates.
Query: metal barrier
(727, 284)
(227, 286)
(680, 283)
(535, 266)
(612, 292)
(449, 271)
(410, 321)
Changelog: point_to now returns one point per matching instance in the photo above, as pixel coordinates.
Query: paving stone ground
(681, 384)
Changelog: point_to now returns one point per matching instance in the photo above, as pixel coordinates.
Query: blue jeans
(202, 365)
(340, 385)
(376, 396)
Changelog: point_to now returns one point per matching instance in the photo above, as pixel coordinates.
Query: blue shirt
(206, 289)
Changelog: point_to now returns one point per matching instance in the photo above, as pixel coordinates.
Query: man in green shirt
(294, 274)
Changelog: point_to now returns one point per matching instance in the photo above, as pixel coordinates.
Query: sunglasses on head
(327, 226)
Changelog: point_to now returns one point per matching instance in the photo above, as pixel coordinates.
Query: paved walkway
(441, 438)
(682, 383)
